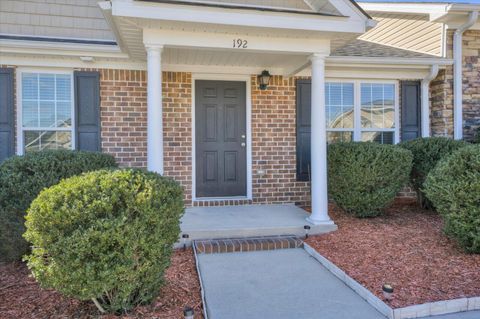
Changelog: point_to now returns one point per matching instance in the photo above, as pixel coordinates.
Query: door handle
(243, 144)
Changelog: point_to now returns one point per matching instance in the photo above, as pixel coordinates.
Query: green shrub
(23, 177)
(453, 186)
(427, 152)
(105, 235)
(476, 139)
(363, 178)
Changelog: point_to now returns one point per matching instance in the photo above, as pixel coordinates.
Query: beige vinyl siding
(81, 19)
(409, 32)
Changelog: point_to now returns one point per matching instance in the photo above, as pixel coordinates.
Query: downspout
(425, 108)
(458, 77)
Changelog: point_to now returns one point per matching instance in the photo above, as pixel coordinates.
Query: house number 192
(240, 43)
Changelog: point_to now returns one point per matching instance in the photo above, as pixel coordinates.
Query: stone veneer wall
(471, 83)
(442, 89)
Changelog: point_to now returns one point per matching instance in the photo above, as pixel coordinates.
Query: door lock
(243, 136)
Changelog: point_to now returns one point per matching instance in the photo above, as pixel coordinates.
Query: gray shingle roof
(363, 48)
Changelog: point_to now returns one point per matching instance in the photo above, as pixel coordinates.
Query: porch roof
(362, 48)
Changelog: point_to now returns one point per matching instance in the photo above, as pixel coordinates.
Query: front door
(220, 138)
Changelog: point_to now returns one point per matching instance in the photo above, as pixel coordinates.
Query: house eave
(238, 17)
(420, 62)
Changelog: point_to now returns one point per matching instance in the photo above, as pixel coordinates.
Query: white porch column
(154, 110)
(318, 144)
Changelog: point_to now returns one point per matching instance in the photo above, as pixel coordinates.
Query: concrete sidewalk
(285, 283)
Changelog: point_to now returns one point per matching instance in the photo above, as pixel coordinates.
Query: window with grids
(378, 112)
(47, 109)
(339, 103)
(370, 117)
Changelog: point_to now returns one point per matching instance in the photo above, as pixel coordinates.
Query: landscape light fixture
(184, 239)
(387, 292)
(188, 313)
(307, 229)
(264, 80)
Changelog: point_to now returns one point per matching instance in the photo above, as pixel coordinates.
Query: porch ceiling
(250, 62)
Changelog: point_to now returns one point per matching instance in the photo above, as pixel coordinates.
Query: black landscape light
(387, 292)
(188, 313)
(184, 239)
(307, 229)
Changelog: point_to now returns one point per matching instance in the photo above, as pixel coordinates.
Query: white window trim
(357, 129)
(19, 99)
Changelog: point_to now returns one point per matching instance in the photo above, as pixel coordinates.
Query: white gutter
(425, 108)
(457, 75)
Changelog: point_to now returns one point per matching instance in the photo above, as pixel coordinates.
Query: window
(46, 111)
(361, 111)
(378, 112)
(339, 104)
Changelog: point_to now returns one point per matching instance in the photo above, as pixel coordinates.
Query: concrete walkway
(285, 283)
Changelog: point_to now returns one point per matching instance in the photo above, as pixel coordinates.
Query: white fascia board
(70, 62)
(240, 17)
(433, 11)
(389, 61)
(62, 49)
(106, 8)
(220, 41)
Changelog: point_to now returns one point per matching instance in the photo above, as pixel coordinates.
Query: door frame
(224, 77)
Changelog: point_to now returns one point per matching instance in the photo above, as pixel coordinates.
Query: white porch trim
(248, 83)
(318, 147)
(154, 110)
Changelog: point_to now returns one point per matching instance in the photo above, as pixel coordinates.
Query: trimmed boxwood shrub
(427, 152)
(363, 178)
(453, 186)
(21, 180)
(105, 236)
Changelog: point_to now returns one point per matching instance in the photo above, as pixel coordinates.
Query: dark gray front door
(220, 137)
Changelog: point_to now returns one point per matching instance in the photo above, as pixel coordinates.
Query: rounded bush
(363, 178)
(105, 235)
(21, 180)
(453, 186)
(427, 152)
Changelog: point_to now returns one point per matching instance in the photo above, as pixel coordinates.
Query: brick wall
(274, 143)
(123, 115)
(177, 125)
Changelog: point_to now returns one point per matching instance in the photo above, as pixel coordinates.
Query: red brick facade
(124, 132)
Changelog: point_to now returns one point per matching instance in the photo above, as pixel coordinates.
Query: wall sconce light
(264, 79)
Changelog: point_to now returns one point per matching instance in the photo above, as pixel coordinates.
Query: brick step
(229, 245)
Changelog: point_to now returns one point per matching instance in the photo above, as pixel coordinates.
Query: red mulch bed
(405, 248)
(21, 297)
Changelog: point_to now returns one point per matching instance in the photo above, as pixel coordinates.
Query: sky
(424, 1)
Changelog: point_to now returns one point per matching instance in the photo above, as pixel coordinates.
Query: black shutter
(6, 114)
(411, 110)
(304, 102)
(87, 111)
